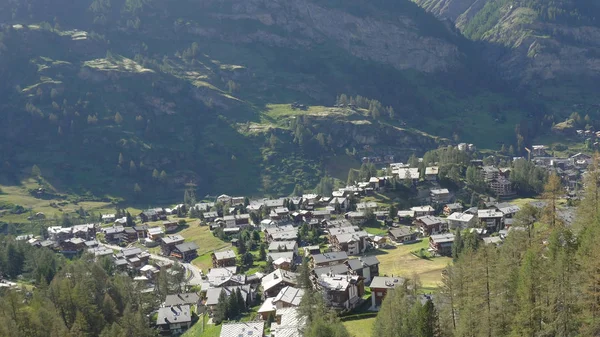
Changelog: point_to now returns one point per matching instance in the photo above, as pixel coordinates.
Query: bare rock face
(528, 49)
(307, 24)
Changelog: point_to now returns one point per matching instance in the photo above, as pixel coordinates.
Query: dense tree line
(82, 299)
(542, 281)
(527, 178)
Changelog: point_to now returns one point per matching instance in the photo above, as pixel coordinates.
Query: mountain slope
(111, 91)
(552, 47)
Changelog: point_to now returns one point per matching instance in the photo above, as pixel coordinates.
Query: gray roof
(278, 276)
(212, 294)
(285, 245)
(176, 314)
(187, 247)
(181, 299)
(351, 237)
(243, 329)
(442, 238)
(429, 220)
(402, 231)
(290, 295)
(335, 269)
(330, 257)
(170, 239)
(276, 255)
(386, 282)
(370, 260)
(227, 254)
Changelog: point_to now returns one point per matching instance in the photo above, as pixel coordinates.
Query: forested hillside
(74, 298)
(135, 99)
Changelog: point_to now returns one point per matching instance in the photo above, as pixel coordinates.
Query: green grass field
(19, 195)
(360, 327)
(399, 261)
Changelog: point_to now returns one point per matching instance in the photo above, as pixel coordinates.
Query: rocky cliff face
(558, 58)
(305, 24)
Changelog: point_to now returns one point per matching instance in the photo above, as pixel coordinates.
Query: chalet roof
(114, 230)
(339, 223)
(267, 305)
(187, 247)
(369, 261)
(432, 170)
(489, 213)
(274, 256)
(212, 294)
(290, 295)
(172, 239)
(285, 245)
(278, 276)
(366, 205)
(454, 206)
(398, 232)
(337, 282)
(227, 254)
(383, 282)
(330, 257)
(442, 238)
(462, 217)
(439, 191)
(273, 203)
(507, 208)
(182, 299)
(292, 323)
(341, 230)
(492, 240)
(340, 269)
(404, 214)
(131, 251)
(155, 230)
(426, 208)
(430, 220)
(204, 206)
(243, 329)
(405, 173)
(211, 214)
(351, 237)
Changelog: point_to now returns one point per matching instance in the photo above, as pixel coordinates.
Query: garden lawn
(399, 261)
(360, 327)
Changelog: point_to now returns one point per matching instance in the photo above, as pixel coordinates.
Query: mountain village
(338, 237)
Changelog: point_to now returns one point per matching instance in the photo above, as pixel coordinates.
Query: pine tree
(163, 176)
(132, 167)
(137, 189)
(232, 306)
(241, 302)
(155, 174)
(428, 321)
(118, 118)
(35, 171)
(458, 245)
(262, 253)
(393, 212)
(552, 192)
(222, 310)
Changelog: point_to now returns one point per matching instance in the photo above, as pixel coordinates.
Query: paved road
(194, 273)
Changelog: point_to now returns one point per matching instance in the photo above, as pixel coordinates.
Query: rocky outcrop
(529, 50)
(308, 24)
